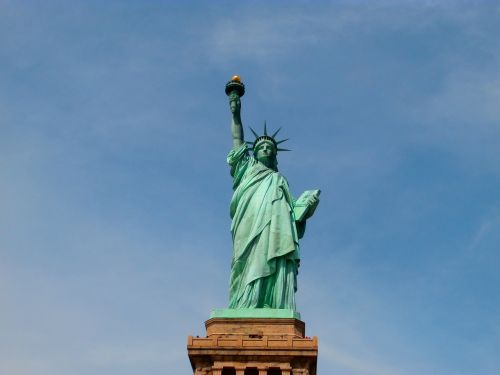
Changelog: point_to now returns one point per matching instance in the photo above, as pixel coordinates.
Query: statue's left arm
(312, 204)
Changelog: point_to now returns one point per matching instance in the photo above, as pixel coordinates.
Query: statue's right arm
(236, 126)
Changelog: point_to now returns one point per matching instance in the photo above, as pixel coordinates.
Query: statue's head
(265, 148)
(265, 152)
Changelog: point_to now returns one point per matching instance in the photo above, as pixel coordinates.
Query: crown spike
(284, 140)
(266, 138)
(254, 133)
(276, 132)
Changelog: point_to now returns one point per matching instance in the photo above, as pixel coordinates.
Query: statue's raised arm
(235, 90)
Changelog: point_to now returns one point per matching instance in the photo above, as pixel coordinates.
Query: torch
(235, 87)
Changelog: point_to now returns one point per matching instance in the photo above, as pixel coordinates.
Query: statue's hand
(313, 204)
(235, 104)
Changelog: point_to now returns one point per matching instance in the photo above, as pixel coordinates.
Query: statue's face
(265, 153)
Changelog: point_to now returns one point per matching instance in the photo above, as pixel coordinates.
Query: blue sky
(114, 226)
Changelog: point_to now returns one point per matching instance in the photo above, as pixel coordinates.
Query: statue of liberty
(267, 221)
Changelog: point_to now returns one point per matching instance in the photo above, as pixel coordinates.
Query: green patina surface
(267, 223)
(255, 313)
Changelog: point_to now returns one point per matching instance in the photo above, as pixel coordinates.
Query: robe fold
(265, 238)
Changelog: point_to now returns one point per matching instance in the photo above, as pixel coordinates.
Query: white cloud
(464, 116)
(469, 96)
(261, 36)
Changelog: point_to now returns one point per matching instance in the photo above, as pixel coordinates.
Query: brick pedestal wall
(262, 346)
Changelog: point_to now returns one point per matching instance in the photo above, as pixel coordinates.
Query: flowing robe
(265, 236)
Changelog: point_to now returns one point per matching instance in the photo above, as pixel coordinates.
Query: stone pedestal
(253, 346)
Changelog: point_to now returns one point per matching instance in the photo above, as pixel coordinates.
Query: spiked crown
(266, 137)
